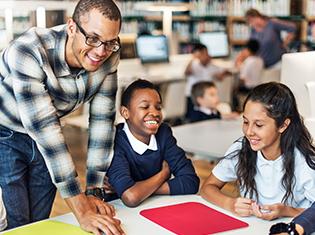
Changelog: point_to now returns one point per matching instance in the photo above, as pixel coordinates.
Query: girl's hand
(270, 212)
(242, 207)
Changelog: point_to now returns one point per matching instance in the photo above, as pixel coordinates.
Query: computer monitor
(297, 70)
(152, 48)
(216, 42)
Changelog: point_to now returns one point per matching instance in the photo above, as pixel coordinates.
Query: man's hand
(96, 223)
(100, 206)
(90, 220)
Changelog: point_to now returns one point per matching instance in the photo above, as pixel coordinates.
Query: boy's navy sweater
(128, 167)
(196, 116)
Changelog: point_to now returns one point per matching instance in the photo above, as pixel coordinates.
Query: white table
(208, 138)
(134, 224)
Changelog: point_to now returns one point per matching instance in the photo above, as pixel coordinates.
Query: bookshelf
(308, 25)
(204, 15)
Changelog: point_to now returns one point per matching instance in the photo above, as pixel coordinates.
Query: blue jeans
(28, 191)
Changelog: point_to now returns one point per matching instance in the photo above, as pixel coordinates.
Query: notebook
(192, 218)
(48, 227)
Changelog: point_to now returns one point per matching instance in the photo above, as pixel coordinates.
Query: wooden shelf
(238, 42)
(310, 18)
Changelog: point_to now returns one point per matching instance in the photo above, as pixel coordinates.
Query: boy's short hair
(198, 90)
(136, 85)
(253, 46)
(198, 47)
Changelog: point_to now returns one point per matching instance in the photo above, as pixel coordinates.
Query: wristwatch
(283, 228)
(96, 192)
(101, 194)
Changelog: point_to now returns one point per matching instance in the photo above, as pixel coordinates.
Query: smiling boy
(145, 152)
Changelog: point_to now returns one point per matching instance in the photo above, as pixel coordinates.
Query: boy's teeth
(151, 122)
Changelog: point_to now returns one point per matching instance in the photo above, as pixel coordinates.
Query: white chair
(174, 100)
(271, 75)
(298, 73)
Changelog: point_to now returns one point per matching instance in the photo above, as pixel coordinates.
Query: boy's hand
(242, 206)
(108, 188)
(166, 170)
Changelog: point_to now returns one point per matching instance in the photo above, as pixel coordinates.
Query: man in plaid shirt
(46, 74)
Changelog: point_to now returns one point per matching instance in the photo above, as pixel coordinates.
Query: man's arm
(39, 118)
(101, 127)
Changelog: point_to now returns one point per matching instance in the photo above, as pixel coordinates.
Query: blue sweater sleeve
(185, 180)
(307, 220)
(119, 175)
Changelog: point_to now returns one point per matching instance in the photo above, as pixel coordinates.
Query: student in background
(199, 69)
(145, 152)
(267, 31)
(3, 214)
(251, 68)
(205, 98)
(273, 161)
(303, 224)
(250, 73)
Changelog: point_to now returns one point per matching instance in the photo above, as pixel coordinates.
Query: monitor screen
(216, 42)
(152, 49)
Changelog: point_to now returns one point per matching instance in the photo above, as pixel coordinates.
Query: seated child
(3, 220)
(206, 100)
(273, 163)
(145, 152)
(251, 70)
(200, 68)
(252, 67)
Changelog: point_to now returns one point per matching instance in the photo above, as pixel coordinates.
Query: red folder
(192, 218)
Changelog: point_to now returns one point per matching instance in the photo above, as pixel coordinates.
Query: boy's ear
(124, 112)
(285, 125)
(199, 100)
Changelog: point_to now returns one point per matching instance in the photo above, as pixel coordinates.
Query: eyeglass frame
(116, 42)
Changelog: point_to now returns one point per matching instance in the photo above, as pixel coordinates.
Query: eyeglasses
(113, 45)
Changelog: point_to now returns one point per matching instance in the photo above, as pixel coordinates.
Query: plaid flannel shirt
(37, 88)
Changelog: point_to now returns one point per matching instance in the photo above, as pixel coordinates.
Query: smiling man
(46, 74)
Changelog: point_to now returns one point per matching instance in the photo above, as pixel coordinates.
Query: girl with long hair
(273, 163)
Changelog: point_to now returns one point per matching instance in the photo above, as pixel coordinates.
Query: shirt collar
(205, 110)
(262, 162)
(138, 146)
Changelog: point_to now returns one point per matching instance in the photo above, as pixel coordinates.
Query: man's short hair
(107, 7)
(198, 90)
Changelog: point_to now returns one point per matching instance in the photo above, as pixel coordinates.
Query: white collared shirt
(206, 110)
(137, 145)
(3, 219)
(268, 178)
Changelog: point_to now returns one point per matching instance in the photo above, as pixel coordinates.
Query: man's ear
(71, 27)
(124, 112)
(285, 125)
